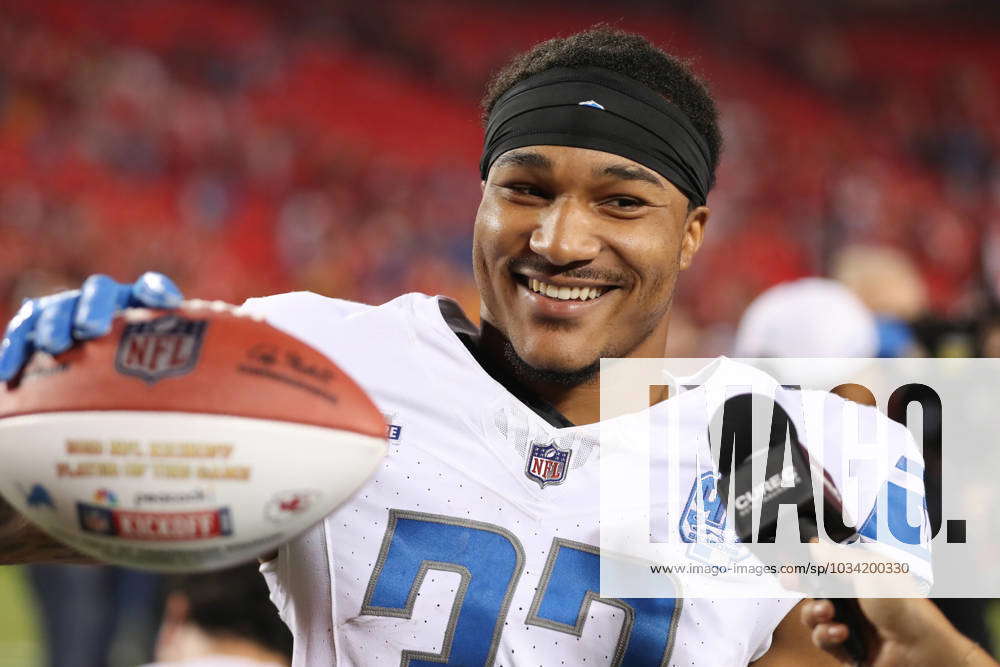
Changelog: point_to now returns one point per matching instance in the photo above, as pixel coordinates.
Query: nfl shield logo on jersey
(164, 347)
(547, 464)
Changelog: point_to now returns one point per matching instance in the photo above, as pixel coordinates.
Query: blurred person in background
(889, 285)
(810, 317)
(222, 619)
(818, 317)
(96, 614)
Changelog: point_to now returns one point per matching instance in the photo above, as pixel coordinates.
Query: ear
(694, 232)
(482, 186)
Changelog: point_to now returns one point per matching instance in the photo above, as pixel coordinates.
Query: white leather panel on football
(177, 491)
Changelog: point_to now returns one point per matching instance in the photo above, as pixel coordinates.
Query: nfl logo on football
(547, 464)
(165, 347)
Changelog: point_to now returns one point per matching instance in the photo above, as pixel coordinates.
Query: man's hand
(911, 632)
(53, 323)
(22, 542)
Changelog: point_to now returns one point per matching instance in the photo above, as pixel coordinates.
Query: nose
(566, 234)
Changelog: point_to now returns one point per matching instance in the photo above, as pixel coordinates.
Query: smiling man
(599, 154)
(475, 543)
(577, 253)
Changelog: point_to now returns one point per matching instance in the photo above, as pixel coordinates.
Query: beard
(530, 375)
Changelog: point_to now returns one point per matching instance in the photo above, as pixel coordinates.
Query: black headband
(591, 107)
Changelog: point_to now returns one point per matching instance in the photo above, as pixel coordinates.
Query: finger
(100, 298)
(155, 290)
(16, 345)
(829, 636)
(54, 329)
(817, 611)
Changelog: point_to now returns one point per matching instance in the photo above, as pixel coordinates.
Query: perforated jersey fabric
(451, 553)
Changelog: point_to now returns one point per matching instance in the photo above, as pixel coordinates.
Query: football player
(476, 541)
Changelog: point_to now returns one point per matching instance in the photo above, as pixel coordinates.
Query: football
(185, 440)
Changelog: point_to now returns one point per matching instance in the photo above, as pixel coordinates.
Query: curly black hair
(625, 53)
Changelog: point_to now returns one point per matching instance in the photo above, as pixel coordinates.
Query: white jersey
(472, 544)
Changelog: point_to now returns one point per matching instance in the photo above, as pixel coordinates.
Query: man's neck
(578, 403)
(572, 403)
(582, 404)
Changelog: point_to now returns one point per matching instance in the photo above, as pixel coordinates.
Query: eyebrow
(629, 173)
(523, 159)
(534, 160)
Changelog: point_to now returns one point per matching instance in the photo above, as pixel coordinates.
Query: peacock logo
(106, 497)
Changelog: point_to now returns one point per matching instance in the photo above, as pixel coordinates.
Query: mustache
(539, 265)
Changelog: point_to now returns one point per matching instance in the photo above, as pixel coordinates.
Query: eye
(624, 203)
(525, 194)
(525, 189)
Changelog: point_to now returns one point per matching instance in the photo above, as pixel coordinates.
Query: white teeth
(564, 293)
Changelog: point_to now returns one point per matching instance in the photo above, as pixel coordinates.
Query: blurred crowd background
(247, 148)
(254, 147)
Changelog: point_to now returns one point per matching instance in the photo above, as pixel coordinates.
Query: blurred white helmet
(811, 317)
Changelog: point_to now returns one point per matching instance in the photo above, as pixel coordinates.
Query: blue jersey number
(571, 582)
(489, 560)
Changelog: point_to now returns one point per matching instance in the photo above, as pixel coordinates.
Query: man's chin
(549, 371)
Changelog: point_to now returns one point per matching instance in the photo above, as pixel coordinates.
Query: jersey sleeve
(302, 591)
(905, 534)
(302, 314)
(878, 468)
